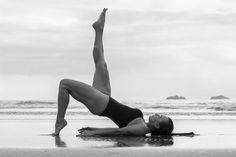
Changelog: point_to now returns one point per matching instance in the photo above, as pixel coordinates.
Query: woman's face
(156, 119)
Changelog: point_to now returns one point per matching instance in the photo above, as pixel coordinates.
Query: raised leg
(101, 80)
(93, 99)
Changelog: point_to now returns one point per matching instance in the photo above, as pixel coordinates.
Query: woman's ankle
(60, 120)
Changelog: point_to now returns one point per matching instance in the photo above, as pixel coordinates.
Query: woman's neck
(149, 127)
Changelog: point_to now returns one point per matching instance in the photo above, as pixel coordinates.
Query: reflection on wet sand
(132, 141)
(59, 142)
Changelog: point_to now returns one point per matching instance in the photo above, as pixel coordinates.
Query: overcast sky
(153, 48)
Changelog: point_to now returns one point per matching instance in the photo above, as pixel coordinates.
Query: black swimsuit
(120, 114)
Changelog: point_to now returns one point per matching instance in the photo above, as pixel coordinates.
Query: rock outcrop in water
(219, 97)
(176, 97)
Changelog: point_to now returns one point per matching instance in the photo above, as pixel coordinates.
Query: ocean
(176, 109)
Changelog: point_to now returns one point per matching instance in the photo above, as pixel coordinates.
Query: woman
(97, 98)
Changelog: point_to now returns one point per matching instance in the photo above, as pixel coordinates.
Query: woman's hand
(87, 128)
(87, 133)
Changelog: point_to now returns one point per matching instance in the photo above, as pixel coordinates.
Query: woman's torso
(121, 114)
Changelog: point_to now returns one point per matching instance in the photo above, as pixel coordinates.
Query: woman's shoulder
(138, 120)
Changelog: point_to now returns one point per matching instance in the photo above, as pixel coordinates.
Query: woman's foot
(58, 126)
(99, 24)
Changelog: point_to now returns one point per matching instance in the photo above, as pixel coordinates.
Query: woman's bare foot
(99, 24)
(58, 126)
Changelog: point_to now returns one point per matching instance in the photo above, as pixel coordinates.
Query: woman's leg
(93, 99)
(101, 80)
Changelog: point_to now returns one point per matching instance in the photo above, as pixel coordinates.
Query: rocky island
(219, 97)
(176, 97)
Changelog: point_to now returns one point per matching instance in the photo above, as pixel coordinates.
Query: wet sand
(118, 152)
(30, 137)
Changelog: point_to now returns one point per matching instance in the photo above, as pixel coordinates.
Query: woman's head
(160, 125)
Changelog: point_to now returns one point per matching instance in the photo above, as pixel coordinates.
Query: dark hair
(166, 128)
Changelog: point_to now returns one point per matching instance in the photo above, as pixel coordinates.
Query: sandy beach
(30, 138)
(117, 152)
(25, 129)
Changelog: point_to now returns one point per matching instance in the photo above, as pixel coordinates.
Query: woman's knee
(64, 83)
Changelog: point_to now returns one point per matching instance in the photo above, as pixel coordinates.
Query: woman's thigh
(92, 98)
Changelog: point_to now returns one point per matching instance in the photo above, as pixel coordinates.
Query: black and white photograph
(120, 78)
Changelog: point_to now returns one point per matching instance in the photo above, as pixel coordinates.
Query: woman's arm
(135, 130)
(92, 129)
(88, 128)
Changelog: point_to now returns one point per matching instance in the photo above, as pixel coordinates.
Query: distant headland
(176, 97)
(218, 97)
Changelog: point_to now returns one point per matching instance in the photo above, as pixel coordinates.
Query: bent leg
(101, 80)
(93, 99)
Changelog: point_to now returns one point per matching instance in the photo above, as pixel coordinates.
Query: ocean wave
(41, 113)
(227, 105)
(34, 102)
(146, 112)
(183, 108)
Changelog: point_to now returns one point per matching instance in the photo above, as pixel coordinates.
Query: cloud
(169, 41)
